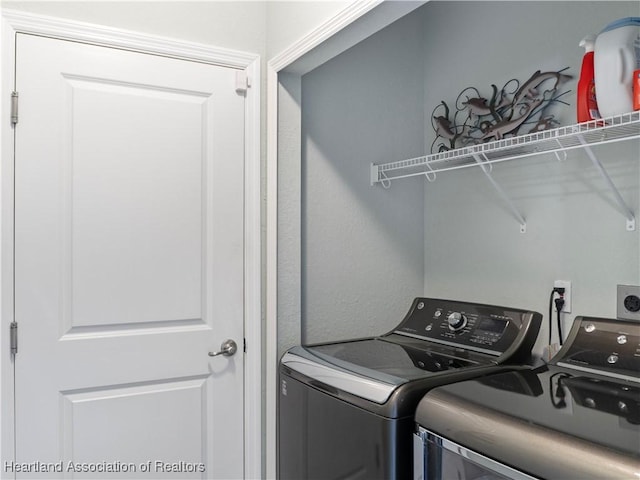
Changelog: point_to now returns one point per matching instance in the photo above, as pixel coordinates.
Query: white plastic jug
(617, 55)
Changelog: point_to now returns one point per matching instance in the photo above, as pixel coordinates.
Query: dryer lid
(547, 422)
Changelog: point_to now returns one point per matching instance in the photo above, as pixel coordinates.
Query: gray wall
(367, 251)
(473, 248)
(289, 218)
(362, 246)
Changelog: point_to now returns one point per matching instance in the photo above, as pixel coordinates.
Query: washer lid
(373, 390)
(372, 368)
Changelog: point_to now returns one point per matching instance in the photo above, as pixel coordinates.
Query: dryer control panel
(607, 346)
(482, 328)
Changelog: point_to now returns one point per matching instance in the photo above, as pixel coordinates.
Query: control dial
(456, 321)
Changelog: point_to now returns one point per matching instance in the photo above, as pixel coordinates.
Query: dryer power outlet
(628, 305)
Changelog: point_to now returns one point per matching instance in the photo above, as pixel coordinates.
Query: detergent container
(587, 102)
(617, 56)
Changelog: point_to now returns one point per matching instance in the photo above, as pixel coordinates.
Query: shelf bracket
(373, 175)
(485, 168)
(562, 149)
(631, 219)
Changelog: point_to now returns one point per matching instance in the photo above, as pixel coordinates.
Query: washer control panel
(605, 345)
(483, 328)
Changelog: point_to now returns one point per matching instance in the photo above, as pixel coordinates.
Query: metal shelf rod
(486, 169)
(631, 219)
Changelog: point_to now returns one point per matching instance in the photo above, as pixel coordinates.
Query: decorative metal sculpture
(510, 111)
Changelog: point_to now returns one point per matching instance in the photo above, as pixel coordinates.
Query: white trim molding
(13, 22)
(279, 63)
(350, 26)
(271, 280)
(7, 85)
(253, 407)
(325, 31)
(127, 40)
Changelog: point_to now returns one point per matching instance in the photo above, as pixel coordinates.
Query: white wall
(233, 25)
(575, 231)
(287, 22)
(362, 247)
(263, 27)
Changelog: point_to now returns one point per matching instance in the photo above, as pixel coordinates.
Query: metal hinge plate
(14, 108)
(14, 338)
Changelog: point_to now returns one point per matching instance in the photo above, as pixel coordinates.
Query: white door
(128, 264)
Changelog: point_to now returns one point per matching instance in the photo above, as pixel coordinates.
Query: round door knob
(227, 349)
(457, 321)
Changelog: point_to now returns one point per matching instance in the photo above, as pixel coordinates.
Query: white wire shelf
(557, 140)
(597, 132)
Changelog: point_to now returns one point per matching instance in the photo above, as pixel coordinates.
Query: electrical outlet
(628, 302)
(566, 284)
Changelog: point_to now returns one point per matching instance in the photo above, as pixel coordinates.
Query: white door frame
(13, 22)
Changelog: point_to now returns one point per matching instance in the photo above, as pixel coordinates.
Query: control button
(623, 407)
(590, 402)
(612, 359)
(622, 339)
(429, 327)
(589, 327)
(438, 313)
(457, 321)
(420, 305)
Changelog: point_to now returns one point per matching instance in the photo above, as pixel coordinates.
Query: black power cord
(557, 397)
(553, 292)
(559, 304)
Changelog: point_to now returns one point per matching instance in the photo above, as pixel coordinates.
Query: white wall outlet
(628, 302)
(566, 284)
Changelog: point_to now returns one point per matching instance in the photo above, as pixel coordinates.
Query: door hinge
(14, 108)
(14, 338)
(242, 81)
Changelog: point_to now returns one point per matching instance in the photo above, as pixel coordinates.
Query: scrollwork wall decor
(514, 109)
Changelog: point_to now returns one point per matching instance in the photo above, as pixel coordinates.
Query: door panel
(120, 242)
(116, 412)
(128, 260)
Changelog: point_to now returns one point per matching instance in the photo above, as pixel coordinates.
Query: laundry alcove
(352, 255)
